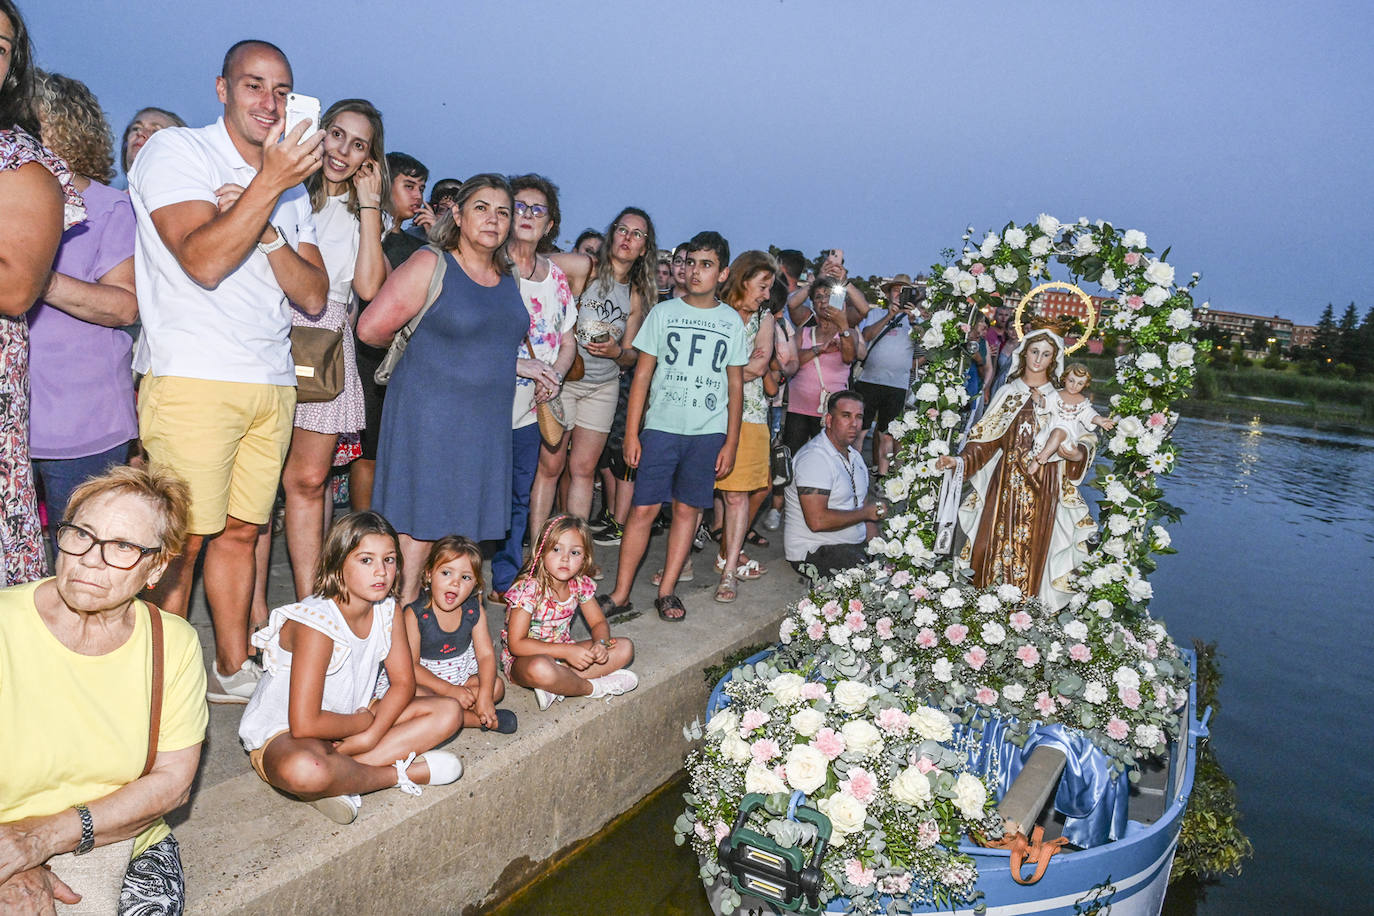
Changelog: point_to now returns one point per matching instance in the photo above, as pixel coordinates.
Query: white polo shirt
(238, 331)
(820, 465)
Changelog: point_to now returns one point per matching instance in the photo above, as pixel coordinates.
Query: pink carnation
(828, 743)
(977, 268)
(976, 657)
(856, 874)
(894, 721)
(900, 578)
(764, 750)
(884, 627)
(1130, 697)
(722, 830)
(1021, 621)
(932, 413)
(985, 695)
(816, 630)
(1117, 730)
(1043, 704)
(855, 621)
(831, 610)
(956, 633)
(1156, 420)
(861, 784)
(1151, 649)
(855, 605)
(1134, 303)
(924, 764)
(927, 834)
(751, 720)
(811, 690)
(919, 593)
(1132, 258)
(1080, 653)
(1028, 655)
(895, 884)
(926, 639)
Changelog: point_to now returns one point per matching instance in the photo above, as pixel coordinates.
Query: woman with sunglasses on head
(544, 356)
(145, 123)
(38, 202)
(444, 452)
(614, 292)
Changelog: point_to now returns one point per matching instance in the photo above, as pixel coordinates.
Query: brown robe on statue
(1016, 523)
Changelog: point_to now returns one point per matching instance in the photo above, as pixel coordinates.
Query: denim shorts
(677, 467)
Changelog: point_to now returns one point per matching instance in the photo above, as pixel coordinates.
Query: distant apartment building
(1303, 335)
(1238, 325)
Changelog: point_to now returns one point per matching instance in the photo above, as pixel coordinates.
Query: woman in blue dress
(444, 451)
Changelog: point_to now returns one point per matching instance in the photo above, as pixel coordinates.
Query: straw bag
(319, 357)
(402, 338)
(549, 413)
(98, 876)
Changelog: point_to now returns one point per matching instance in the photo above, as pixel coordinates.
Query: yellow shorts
(227, 440)
(751, 461)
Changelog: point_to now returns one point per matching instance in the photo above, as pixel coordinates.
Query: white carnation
(989, 246)
(1048, 224)
(986, 283)
(1076, 630)
(1109, 282)
(1162, 537)
(970, 795)
(1014, 692)
(1118, 525)
(965, 284)
(950, 274)
(1095, 693)
(1155, 296)
(949, 419)
(1006, 274)
(1040, 246)
(1008, 592)
(1084, 244)
(942, 670)
(1015, 237)
(1146, 362)
(993, 633)
(952, 598)
(927, 392)
(1180, 319)
(1126, 678)
(1133, 238)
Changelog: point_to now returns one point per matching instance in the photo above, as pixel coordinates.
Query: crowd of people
(269, 302)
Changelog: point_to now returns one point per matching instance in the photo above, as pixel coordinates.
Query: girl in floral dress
(31, 225)
(538, 650)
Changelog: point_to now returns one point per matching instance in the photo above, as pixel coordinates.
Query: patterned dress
(21, 536)
(550, 619)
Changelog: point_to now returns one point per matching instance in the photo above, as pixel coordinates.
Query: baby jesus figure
(1072, 417)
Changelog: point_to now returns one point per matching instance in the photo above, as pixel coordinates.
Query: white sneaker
(772, 520)
(237, 687)
(341, 809)
(613, 684)
(545, 699)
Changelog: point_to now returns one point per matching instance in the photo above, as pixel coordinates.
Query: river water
(1276, 565)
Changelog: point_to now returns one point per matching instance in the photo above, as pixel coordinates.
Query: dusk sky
(1239, 133)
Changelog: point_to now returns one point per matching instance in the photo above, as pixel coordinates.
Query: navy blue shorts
(677, 467)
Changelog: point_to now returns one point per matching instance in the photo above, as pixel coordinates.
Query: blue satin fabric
(1092, 799)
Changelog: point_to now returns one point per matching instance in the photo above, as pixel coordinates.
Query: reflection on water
(1275, 564)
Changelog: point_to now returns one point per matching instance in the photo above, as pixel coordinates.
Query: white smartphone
(302, 108)
(837, 298)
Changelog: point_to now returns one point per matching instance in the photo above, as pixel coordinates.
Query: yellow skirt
(751, 461)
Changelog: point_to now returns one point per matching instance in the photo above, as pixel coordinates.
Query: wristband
(273, 245)
(87, 831)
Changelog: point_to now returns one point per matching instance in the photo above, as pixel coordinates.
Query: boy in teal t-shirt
(692, 353)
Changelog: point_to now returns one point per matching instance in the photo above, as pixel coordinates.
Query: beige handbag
(98, 876)
(319, 357)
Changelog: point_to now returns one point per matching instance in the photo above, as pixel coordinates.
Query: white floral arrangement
(884, 768)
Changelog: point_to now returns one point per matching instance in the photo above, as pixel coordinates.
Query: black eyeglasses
(77, 542)
(538, 211)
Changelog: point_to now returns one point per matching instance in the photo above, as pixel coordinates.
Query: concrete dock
(523, 798)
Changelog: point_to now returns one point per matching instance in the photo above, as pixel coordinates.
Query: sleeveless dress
(21, 536)
(444, 452)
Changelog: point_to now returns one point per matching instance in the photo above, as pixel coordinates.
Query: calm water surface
(1276, 564)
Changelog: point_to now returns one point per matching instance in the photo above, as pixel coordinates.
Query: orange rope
(1034, 850)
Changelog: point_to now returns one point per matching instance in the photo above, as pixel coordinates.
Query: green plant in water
(1211, 843)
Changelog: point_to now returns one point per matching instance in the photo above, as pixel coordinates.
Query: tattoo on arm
(812, 491)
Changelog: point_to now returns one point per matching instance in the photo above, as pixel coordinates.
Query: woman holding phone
(346, 195)
(825, 350)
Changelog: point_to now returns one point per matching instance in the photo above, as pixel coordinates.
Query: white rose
(1146, 362)
(1162, 537)
(786, 688)
(1159, 273)
(1084, 244)
(1181, 354)
(852, 696)
(949, 419)
(1048, 224)
(895, 488)
(892, 549)
(1155, 296)
(759, 778)
(1139, 589)
(1133, 238)
(724, 722)
(846, 813)
(1114, 547)
(989, 246)
(932, 339)
(950, 274)
(965, 284)
(1109, 282)
(970, 795)
(931, 723)
(993, 633)
(911, 787)
(1040, 247)
(927, 392)
(860, 735)
(926, 503)
(806, 768)
(735, 748)
(1103, 608)
(807, 722)
(1100, 577)
(942, 317)
(1014, 692)
(1006, 274)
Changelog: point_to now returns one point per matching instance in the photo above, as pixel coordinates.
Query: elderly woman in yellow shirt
(84, 768)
